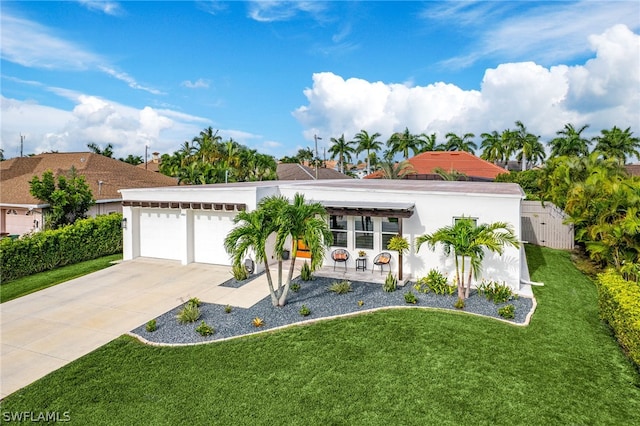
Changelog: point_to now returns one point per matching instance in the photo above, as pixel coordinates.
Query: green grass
(26, 285)
(410, 367)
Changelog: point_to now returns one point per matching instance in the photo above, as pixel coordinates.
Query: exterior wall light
(124, 223)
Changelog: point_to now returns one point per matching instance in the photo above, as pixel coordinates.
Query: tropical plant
(409, 297)
(151, 326)
(390, 283)
(305, 272)
(69, 198)
(305, 311)
(395, 170)
(107, 151)
(507, 312)
(401, 245)
(570, 142)
(467, 241)
(493, 147)
(618, 144)
(402, 143)
(452, 175)
(428, 143)
(239, 272)
(340, 287)
(205, 329)
(526, 145)
(457, 143)
(342, 149)
(296, 221)
(367, 142)
(189, 313)
(257, 322)
(132, 159)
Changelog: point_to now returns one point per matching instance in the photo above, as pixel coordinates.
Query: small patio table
(361, 264)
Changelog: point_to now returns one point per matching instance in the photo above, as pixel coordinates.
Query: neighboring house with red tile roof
(426, 163)
(21, 213)
(295, 171)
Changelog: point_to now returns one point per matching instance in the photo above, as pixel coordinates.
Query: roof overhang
(368, 208)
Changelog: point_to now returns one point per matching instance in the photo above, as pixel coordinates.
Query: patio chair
(340, 255)
(380, 260)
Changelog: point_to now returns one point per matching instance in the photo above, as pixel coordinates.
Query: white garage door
(161, 233)
(209, 231)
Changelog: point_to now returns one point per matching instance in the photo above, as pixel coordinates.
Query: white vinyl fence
(543, 225)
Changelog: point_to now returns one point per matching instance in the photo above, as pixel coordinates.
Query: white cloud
(33, 45)
(96, 120)
(200, 83)
(544, 33)
(270, 11)
(603, 92)
(104, 6)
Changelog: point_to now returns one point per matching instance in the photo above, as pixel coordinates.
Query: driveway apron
(43, 331)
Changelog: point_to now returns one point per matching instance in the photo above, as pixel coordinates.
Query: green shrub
(390, 283)
(409, 297)
(304, 311)
(151, 326)
(360, 303)
(434, 281)
(205, 329)
(619, 305)
(239, 272)
(459, 303)
(295, 287)
(227, 309)
(189, 313)
(194, 301)
(305, 272)
(41, 251)
(495, 291)
(340, 287)
(507, 312)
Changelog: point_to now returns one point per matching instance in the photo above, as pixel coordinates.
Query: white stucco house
(190, 223)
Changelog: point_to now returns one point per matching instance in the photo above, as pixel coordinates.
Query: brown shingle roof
(16, 173)
(294, 171)
(633, 169)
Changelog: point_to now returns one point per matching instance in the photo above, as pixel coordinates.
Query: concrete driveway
(43, 331)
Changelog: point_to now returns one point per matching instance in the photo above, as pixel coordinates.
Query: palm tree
(467, 240)
(493, 147)
(450, 175)
(132, 159)
(307, 223)
(570, 142)
(618, 144)
(341, 149)
(205, 145)
(428, 143)
(107, 151)
(457, 143)
(305, 155)
(367, 143)
(526, 145)
(396, 170)
(251, 234)
(402, 143)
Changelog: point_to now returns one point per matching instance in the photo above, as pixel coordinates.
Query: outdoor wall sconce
(124, 223)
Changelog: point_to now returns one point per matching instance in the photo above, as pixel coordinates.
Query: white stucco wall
(197, 235)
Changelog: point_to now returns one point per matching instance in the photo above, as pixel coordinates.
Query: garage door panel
(210, 230)
(160, 233)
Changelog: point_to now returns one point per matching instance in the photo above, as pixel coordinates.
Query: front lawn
(27, 285)
(390, 367)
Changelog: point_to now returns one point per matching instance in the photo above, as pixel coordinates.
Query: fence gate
(544, 225)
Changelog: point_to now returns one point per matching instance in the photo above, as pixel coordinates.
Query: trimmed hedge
(86, 239)
(619, 303)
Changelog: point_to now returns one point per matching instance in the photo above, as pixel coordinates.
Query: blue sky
(273, 74)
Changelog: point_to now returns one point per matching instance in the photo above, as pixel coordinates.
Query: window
(364, 232)
(473, 220)
(390, 227)
(338, 226)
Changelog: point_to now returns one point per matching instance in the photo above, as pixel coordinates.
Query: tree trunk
(272, 293)
(400, 266)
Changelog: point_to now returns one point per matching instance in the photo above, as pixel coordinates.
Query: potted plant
(401, 245)
(362, 253)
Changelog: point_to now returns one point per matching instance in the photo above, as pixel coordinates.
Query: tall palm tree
(303, 222)
(428, 143)
(617, 143)
(367, 142)
(206, 144)
(402, 143)
(493, 147)
(457, 143)
(305, 155)
(251, 235)
(570, 142)
(466, 240)
(341, 149)
(107, 151)
(526, 145)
